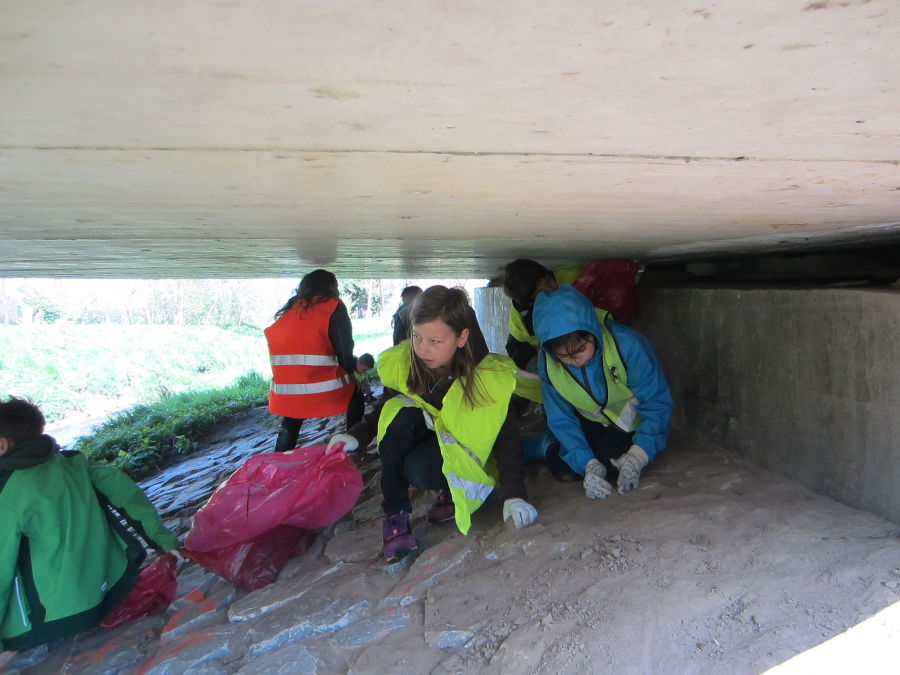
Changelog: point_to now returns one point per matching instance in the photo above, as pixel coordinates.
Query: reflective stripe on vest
(620, 406)
(528, 385)
(302, 360)
(466, 464)
(475, 491)
(307, 378)
(312, 387)
(449, 439)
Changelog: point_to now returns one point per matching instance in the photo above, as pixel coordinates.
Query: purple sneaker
(442, 510)
(398, 537)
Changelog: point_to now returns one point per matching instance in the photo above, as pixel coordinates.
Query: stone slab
(374, 627)
(197, 650)
(280, 593)
(428, 567)
(108, 652)
(293, 659)
(316, 614)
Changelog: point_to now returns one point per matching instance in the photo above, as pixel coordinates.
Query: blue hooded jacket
(566, 310)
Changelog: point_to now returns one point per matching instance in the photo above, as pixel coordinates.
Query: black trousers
(356, 408)
(288, 434)
(410, 455)
(607, 442)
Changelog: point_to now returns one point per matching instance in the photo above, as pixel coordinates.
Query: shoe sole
(400, 555)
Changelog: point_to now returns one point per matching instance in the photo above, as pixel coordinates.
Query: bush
(139, 440)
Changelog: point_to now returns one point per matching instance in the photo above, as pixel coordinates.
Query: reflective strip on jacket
(465, 435)
(306, 378)
(620, 406)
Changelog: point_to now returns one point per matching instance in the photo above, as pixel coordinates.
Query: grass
(186, 380)
(139, 440)
(67, 368)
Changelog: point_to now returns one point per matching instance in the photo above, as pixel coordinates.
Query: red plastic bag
(609, 284)
(154, 590)
(255, 563)
(239, 533)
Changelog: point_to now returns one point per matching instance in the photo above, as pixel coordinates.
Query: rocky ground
(711, 566)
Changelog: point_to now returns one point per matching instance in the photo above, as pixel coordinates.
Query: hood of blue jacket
(563, 311)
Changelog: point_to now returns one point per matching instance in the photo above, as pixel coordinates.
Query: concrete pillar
(492, 309)
(804, 382)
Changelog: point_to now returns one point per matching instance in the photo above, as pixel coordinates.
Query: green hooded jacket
(65, 558)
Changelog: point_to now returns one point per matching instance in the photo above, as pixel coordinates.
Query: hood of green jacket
(27, 454)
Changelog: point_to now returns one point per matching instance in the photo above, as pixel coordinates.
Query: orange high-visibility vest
(306, 378)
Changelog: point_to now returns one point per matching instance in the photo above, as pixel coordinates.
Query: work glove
(629, 466)
(350, 443)
(522, 513)
(595, 484)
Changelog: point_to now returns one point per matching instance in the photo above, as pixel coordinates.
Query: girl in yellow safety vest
(444, 423)
(606, 398)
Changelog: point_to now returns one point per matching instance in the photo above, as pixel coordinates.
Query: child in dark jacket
(65, 559)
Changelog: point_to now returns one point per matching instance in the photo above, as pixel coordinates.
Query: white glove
(629, 466)
(350, 443)
(595, 484)
(522, 513)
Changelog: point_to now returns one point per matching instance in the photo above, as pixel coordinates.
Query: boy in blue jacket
(605, 396)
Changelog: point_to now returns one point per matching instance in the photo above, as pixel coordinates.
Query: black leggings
(607, 443)
(356, 409)
(288, 434)
(410, 455)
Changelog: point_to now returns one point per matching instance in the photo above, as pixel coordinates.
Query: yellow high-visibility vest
(465, 435)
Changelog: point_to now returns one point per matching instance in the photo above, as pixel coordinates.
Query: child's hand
(349, 443)
(522, 513)
(595, 484)
(629, 466)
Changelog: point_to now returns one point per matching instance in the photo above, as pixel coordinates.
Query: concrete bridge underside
(429, 138)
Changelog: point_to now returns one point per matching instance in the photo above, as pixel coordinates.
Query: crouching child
(65, 558)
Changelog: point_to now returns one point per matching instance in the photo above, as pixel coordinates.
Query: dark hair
(564, 343)
(450, 305)
(367, 360)
(521, 279)
(410, 293)
(315, 287)
(20, 420)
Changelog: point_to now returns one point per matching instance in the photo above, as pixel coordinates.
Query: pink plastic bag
(239, 533)
(255, 563)
(609, 284)
(154, 590)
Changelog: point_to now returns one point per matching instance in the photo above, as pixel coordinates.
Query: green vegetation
(190, 352)
(66, 368)
(139, 440)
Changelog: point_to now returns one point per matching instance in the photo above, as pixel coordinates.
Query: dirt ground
(712, 565)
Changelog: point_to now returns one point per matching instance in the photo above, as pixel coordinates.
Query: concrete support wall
(806, 383)
(492, 309)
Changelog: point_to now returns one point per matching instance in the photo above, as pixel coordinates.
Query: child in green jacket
(65, 559)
